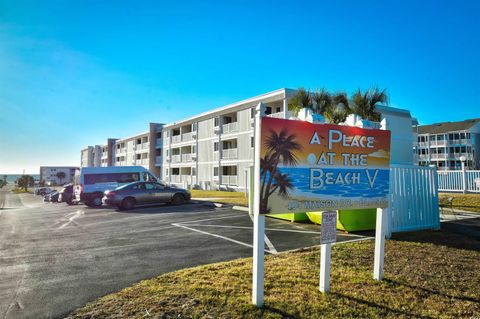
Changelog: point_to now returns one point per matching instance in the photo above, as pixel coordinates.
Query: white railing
(144, 161)
(187, 136)
(438, 143)
(176, 138)
(176, 159)
(187, 157)
(229, 180)
(230, 127)
(441, 156)
(175, 178)
(413, 202)
(230, 153)
(459, 181)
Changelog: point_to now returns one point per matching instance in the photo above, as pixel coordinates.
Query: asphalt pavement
(55, 258)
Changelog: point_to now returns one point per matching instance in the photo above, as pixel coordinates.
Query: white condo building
(57, 175)
(214, 150)
(444, 144)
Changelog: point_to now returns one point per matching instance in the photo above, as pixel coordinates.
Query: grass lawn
(21, 191)
(233, 198)
(426, 277)
(469, 202)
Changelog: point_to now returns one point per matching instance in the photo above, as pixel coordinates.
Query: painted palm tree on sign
(364, 103)
(281, 148)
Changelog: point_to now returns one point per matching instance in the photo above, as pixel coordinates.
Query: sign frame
(258, 270)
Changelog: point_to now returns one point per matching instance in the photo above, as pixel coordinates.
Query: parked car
(52, 197)
(91, 182)
(66, 194)
(42, 191)
(145, 194)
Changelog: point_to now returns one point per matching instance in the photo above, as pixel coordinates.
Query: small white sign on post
(328, 235)
(328, 232)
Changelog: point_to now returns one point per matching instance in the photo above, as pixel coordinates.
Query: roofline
(258, 98)
(133, 136)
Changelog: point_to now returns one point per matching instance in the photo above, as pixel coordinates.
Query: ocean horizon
(13, 177)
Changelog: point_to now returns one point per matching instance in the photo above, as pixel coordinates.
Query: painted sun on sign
(305, 166)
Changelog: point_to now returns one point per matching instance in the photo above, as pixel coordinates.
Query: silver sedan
(145, 194)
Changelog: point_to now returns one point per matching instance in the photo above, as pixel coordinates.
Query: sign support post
(258, 219)
(380, 243)
(325, 256)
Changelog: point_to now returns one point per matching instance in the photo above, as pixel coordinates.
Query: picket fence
(459, 181)
(413, 199)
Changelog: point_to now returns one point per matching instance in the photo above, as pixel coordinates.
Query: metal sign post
(328, 235)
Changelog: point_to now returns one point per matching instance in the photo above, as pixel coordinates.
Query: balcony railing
(462, 141)
(438, 143)
(175, 178)
(229, 180)
(231, 153)
(176, 159)
(176, 138)
(187, 137)
(230, 127)
(442, 156)
(187, 157)
(279, 115)
(159, 142)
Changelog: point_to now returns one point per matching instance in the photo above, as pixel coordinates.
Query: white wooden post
(285, 108)
(464, 174)
(325, 256)
(380, 243)
(258, 220)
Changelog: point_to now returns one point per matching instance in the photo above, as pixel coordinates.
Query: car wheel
(178, 199)
(97, 201)
(128, 203)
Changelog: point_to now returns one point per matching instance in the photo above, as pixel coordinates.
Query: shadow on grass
(452, 235)
(388, 310)
(430, 291)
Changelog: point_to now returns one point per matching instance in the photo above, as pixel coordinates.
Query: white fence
(459, 181)
(413, 198)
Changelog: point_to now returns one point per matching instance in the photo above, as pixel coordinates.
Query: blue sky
(74, 73)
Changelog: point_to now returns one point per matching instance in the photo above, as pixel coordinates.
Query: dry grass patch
(215, 194)
(423, 280)
(469, 202)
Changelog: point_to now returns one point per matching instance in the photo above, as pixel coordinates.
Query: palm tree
(61, 176)
(364, 103)
(301, 99)
(335, 108)
(281, 148)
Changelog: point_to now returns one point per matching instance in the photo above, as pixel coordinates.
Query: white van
(91, 182)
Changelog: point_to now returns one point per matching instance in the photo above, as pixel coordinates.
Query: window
(147, 177)
(216, 121)
(90, 179)
(252, 141)
(159, 152)
(159, 135)
(268, 110)
(252, 113)
(215, 146)
(215, 171)
(194, 127)
(139, 141)
(194, 149)
(139, 156)
(139, 186)
(166, 172)
(278, 109)
(149, 186)
(194, 171)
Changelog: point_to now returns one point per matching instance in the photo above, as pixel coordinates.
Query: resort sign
(321, 167)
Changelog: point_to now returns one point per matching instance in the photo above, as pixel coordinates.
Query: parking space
(55, 258)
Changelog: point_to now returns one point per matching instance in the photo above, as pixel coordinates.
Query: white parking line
(221, 237)
(71, 219)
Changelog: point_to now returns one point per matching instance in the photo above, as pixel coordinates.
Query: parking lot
(55, 258)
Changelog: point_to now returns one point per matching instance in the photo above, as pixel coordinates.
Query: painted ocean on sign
(369, 184)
